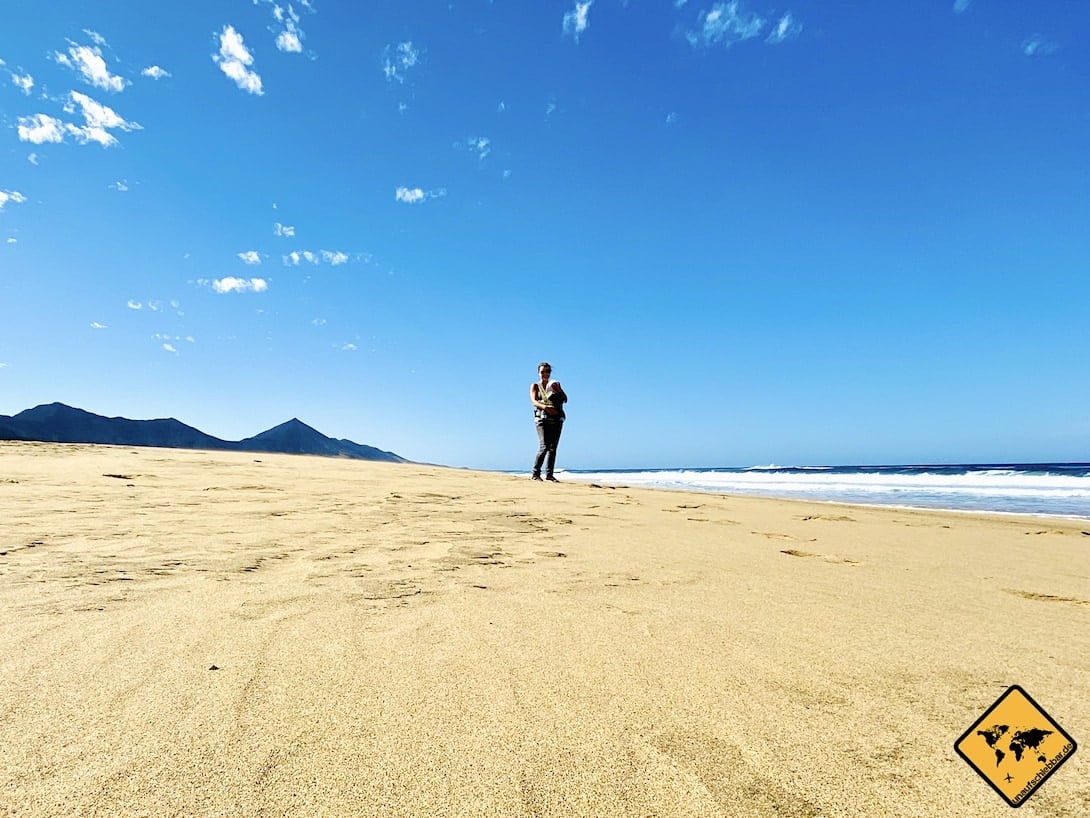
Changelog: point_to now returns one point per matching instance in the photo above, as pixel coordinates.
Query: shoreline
(208, 633)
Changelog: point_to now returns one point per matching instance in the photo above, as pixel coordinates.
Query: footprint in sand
(1047, 597)
(791, 552)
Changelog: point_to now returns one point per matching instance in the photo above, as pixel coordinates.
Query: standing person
(548, 398)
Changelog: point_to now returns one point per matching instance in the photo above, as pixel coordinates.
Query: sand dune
(197, 633)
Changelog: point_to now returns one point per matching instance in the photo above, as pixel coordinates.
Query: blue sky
(743, 232)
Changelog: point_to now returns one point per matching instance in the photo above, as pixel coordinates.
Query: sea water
(1057, 489)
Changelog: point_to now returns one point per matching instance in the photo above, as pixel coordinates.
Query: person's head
(545, 370)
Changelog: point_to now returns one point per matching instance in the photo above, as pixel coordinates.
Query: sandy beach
(188, 633)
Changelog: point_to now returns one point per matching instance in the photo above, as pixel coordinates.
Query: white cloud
(961, 5)
(96, 325)
(234, 59)
(1039, 45)
(349, 348)
(399, 59)
(335, 258)
(155, 72)
(289, 38)
(13, 240)
(285, 230)
(785, 29)
(26, 82)
(96, 38)
(88, 61)
(120, 186)
(725, 24)
(319, 322)
(404, 194)
(288, 41)
(169, 348)
(576, 20)
(294, 258)
(250, 257)
(134, 305)
(98, 119)
(11, 196)
(230, 284)
(671, 118)
(32, 158)
(40, 128)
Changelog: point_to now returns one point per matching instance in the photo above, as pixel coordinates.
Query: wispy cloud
(285, 230)
(13, 196)
(96, 325)
(397, 59)
(786, 28)
(671, 118)
(120, 186)
(99, 120)
(90, 64)
(334, 257)
(577, 20)
(250, 257)
(289, 36)
(235, 60)
(134, 305)
(725, 24)
(415, 195)
(230, 284)
(32, 158)
(155, 72)
(349, 347)
(24, 81)
(296, 257)
(961, 5)
(480, 145)
(1039, 46)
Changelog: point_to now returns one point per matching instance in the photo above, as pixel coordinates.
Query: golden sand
(196, 633)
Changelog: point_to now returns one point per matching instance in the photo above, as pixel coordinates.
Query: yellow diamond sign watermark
(1015, 746)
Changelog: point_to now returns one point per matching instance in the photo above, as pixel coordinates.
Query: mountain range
(58, 423)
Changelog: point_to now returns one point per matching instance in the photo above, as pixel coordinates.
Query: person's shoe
(535, 476)
(552, 479)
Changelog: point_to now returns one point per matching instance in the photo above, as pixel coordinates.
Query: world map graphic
(1020, 741)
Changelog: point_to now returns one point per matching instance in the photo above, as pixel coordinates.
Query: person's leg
(552, 440)
(542, 449)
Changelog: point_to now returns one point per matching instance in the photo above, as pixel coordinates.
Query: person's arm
(535, 391)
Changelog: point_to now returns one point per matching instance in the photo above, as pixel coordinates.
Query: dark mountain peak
(289, 430)
(48, 411)
(60, 423)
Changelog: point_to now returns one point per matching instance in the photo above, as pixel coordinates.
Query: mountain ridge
(59, 423)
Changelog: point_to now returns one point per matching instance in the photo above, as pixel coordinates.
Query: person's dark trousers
(548, 435)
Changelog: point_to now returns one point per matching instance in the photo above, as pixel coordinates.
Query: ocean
(1054, 489)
